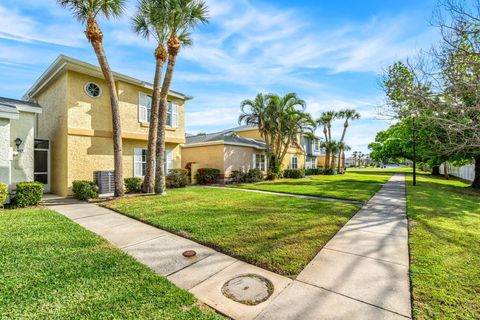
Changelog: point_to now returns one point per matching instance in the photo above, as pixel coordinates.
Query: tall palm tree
(348, 115)
(182, 17)
(151, 21)
(325, 120)
(87, 12)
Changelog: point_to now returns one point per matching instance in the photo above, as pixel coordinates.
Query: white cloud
(17, 27)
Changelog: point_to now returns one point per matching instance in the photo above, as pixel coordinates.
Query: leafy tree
(150, 21)
(281, 120)
(182, 16)
(87, 12)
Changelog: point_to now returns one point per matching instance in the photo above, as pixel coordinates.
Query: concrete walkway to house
(362, 272)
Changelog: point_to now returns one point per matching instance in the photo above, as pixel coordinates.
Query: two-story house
(313, 150)
(77, 124)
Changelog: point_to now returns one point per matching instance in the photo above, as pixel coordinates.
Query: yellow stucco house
(77, 122)
(243, 148)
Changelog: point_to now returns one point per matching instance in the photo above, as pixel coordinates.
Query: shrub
(254, 175)
(133, 185)
(294, 173)
(177, 178)
(313, 172)
(238, 176)
(28, 194)
(84, 190)
(329, 171)
(207, 175)
(3, 194)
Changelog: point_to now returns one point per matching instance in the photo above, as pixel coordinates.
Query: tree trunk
(116, 123)
(160, 185)
(445, 169)
(436, 170)
(149, 180)
(476, 178)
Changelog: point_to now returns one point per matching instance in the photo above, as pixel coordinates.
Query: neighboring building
(17, 141)
(349, 162)
(242, 148)
(313, 151)
(77, 122)
(225, 150)
(295, 157)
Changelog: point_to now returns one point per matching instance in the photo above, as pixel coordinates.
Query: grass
(51, 268)
(444, 223)
(356, 184)
(281, 234)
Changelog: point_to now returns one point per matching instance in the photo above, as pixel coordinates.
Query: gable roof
(13, 107)
(226, 137)
(68, 63)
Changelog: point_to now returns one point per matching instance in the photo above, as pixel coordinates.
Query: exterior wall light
(18, 142)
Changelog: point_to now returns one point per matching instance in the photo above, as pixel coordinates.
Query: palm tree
(280, 120)
(347, 114)
(182, 17)
(87, 11)
(334, 148)
(355, 158)
(325, 120)
(341, 154)
(150, 21)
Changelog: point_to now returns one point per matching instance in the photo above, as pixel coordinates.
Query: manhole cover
(248, 289)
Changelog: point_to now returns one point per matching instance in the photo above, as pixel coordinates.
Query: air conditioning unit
(105, 181)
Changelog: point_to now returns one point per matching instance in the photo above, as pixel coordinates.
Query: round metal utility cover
(250, 289)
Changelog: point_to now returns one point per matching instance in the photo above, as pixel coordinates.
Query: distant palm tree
(325, 120)
(87, 11)
(355, 158)
(182, 17)
(151, 21)
(348, 115)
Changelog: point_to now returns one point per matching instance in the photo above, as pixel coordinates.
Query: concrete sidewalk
(362, 273)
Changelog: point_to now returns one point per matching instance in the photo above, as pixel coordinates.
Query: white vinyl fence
(466, 172)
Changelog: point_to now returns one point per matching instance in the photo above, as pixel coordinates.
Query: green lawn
(278, 233)
(51, 268)
(356, 184)
(444, 219)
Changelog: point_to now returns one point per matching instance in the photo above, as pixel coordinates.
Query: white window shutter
(142, 107)
(174, 115)
(254, 161)
(137, 162)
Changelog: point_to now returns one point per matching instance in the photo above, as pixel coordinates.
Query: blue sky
(331, 53)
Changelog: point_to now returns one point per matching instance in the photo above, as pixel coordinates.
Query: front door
(41, 154)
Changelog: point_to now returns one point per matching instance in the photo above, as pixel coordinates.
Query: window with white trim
(140, 161)
(259, 162)
(172, 114)
(294, 162)
(144, 107)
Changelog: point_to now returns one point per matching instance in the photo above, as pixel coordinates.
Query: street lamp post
(414, 117)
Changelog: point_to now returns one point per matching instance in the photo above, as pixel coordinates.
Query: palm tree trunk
(160, 185)
(97, 45)
(149, 180)
(339, 160)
